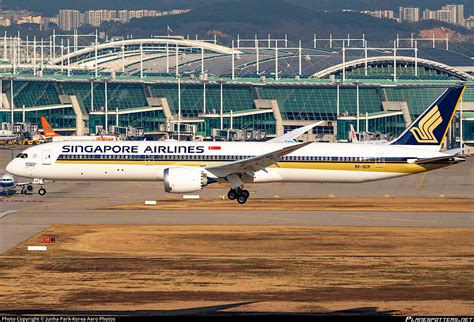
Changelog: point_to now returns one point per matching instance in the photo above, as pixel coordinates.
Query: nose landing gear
(42, 191)
(240, 194)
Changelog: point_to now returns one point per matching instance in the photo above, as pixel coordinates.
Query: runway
(83, 203)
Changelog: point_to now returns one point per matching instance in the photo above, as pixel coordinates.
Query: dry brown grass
(339, 204)
(277, 269)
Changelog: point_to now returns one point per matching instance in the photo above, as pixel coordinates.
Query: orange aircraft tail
(47, 129)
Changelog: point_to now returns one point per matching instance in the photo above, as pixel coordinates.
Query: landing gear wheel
(29, 188)
(42, 191)
(232, 194)
(245, 193)
(242, 199)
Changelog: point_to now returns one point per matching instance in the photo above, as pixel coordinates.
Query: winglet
(431, 127)
(293, 135)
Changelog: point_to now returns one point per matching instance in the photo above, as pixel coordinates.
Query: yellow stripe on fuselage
(345, 166)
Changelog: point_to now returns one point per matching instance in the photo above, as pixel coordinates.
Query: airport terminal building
(203, 89)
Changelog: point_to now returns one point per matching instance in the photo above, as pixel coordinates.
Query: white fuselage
(7, 182)
(6, 135)
(84, 138)
(146, 160)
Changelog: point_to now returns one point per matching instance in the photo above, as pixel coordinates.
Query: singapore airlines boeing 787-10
(191, 166)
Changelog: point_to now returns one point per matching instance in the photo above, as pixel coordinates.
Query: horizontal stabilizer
(449, 158)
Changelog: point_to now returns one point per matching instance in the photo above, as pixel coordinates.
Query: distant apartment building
(9, 17)
(136, 14)
(93, 17)
(409, 14)
(30, 19)
(96, 17)
(456, 13)
(469, 22)
(451, 13)
(429, 14)
(53, 20)
(5, 22)
(444, 16)
(122, 16)
(70, 19)
(383, 14)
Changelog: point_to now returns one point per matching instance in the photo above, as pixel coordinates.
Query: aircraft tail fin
(47, 128)
(352, 134)
(431, 127)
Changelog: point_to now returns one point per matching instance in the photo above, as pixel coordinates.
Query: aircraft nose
(11, 167)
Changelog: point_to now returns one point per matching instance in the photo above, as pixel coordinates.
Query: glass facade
(263, 121)
(31, 94)
(297, 102)
(394, 125)
(310, 103)
(468, 129)
(404, 71)
(235, 98)
(417, 99)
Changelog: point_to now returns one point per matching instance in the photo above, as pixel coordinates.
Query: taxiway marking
(391, 219)
(421, 182)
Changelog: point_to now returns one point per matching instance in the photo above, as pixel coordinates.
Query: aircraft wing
(292, 135)
(35, 181)
(450, 156)
(23, 183)
(253, 164)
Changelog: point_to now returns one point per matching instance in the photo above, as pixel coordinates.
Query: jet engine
(182, 180)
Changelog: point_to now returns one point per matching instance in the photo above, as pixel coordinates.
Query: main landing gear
(28, 189)
(240, 194)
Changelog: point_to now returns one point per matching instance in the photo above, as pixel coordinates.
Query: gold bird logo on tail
(424, 132)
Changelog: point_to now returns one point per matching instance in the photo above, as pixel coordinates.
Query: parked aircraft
(6, 135)
(9, 186)
(354, 139)
(49, 133)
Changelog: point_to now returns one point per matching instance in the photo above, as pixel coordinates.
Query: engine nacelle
(182, 180)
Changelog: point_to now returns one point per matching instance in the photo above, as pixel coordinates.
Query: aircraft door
(149, 159)
(46, 157)
(380, 161)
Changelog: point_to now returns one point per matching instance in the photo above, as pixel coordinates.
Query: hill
(51, 7)
(277, 17)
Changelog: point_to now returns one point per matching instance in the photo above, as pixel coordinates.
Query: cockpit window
(22, 156)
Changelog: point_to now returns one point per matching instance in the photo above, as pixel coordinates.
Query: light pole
(358, 106)
(106, 107)
(222, 103)
(461, 140)
(204, 103)
(179, 106)
(12, 104)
